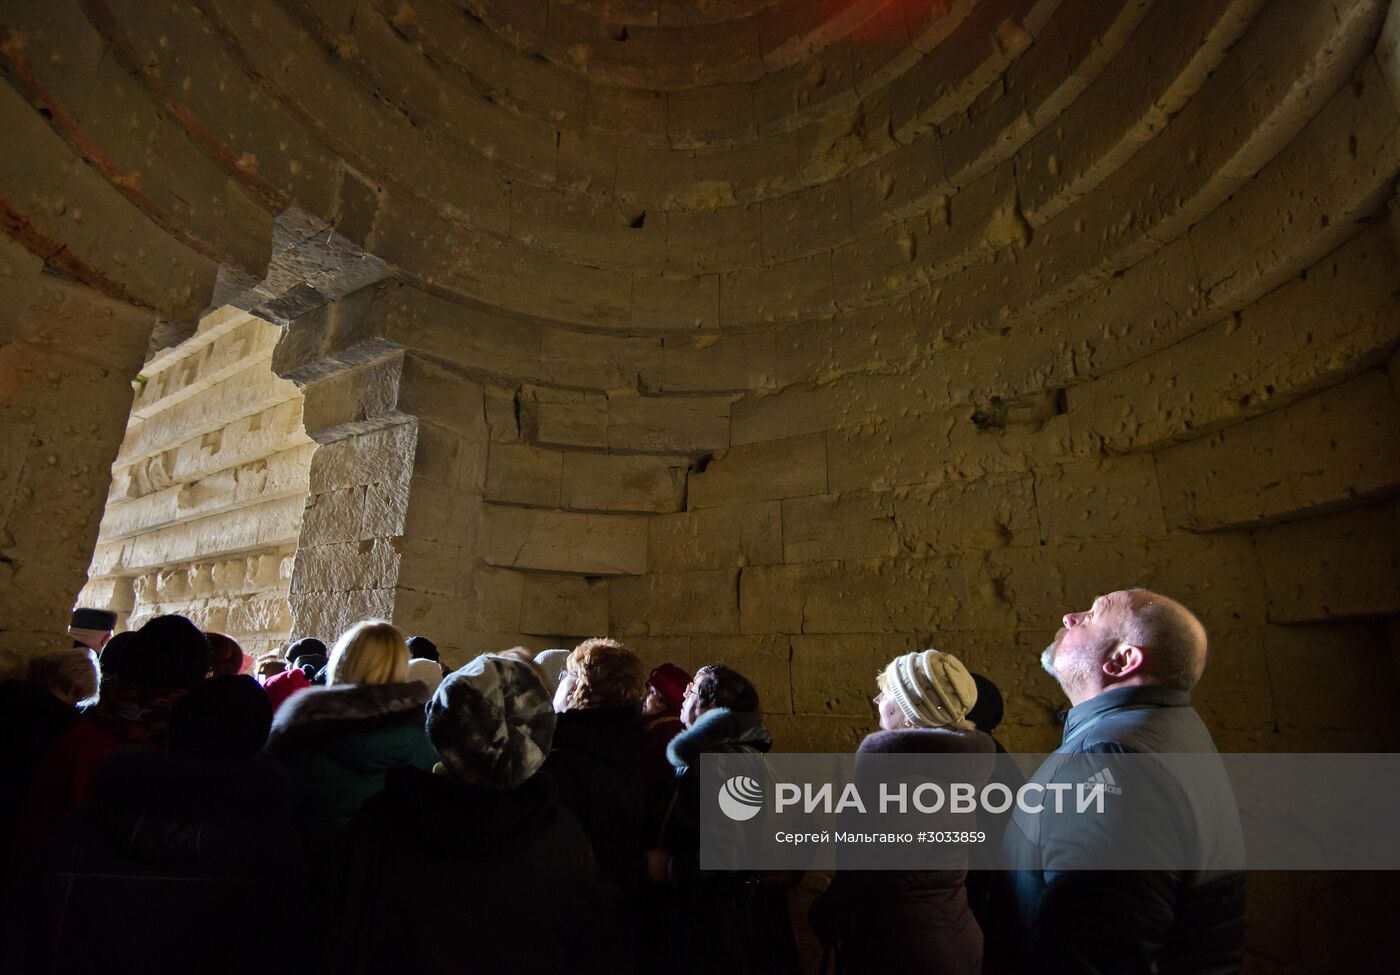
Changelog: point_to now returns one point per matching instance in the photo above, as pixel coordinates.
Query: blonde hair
(608, 675)
(370, 652)
(69, 673)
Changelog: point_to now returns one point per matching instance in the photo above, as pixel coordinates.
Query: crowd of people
(172, 804)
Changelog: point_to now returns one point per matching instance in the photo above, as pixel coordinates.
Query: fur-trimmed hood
(327, 711)
(976, 747)
(719, 730)
(928, 741)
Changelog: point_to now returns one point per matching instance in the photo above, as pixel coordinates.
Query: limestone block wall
(208, 489)
(786, 333)
(67, 355)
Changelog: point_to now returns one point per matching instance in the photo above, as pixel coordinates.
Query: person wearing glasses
(716, 921)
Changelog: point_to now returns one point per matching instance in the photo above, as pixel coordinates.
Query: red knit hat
(669, 681)
(281, 686)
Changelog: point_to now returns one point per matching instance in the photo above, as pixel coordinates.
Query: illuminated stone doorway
(208, 488)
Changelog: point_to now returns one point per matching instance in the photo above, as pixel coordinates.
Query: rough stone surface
(1319, 452)
(67, 361)
(589, 544)
(1339, 566)
(186, 533)
(762, 472)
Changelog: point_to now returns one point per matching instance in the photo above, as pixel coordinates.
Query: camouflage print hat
(492, 722)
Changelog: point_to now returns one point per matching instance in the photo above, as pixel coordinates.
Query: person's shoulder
(928, 740)
(86, 736)
(1108, 746)
(1130, 729)
(1175, 729)
(395, 743)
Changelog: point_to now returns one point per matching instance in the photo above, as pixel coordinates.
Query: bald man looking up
(1130, 638)
(1127, 665)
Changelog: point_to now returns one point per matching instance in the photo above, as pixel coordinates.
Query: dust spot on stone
(907, 245)
(710, 194)
(346, 47)
(1012, 38)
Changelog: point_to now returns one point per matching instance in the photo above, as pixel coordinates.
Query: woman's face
(653, 703)
(891, 717)
(690, 706)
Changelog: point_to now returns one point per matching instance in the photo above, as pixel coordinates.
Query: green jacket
(339, 742)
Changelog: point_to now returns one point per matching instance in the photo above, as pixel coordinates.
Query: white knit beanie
(933, 689)
(552, 662)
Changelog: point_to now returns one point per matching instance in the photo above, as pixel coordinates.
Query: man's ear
(1125, 660)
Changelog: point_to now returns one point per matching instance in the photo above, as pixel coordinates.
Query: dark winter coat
(162, 869)
(658, 731)
(126, 714)
(31, 720)
(718, 730)
(991, 892)
(908, 920)
(438, 876)
(340, 741)
(596, 759)
(730, 922)
(658, 775)
(1123, 921)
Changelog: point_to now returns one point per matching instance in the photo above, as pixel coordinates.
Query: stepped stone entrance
(208, 488)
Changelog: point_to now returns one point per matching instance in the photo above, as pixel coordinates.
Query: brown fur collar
(336, 709)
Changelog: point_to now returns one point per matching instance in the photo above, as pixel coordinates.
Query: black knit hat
(306, 646)
(117, 657)
(421, 648)
(170, 652)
